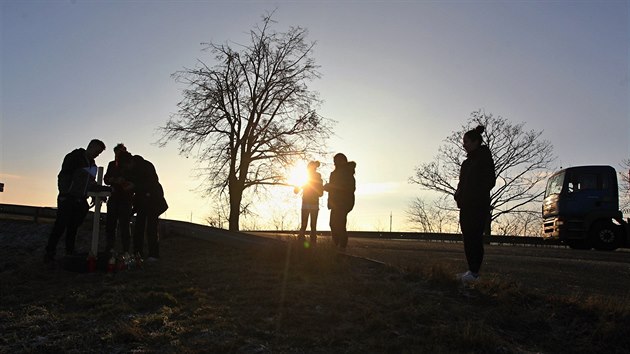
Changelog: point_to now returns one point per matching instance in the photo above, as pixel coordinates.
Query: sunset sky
(398, 77)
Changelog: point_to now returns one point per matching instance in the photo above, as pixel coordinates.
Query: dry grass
(206, 296)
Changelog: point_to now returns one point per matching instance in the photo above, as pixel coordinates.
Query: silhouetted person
(77, 176)
(340, 188)
(476, 179)
(148, 202)
(119, 203)
(311, 191)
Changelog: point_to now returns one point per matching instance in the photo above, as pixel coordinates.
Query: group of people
(476, 180)
(340, 188)
(135, 189)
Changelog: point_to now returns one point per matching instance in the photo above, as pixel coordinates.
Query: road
(561, 271)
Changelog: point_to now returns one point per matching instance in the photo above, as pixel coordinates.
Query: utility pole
(390, 221)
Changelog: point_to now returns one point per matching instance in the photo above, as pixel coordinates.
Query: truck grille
(549, 228)
(553, 227)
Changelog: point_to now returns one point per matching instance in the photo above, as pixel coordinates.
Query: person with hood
(76, 178)
(148, 202)
(476, 179)
(311, 191)
(119, 203)
(340, 188)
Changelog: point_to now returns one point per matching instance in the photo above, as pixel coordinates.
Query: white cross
(97, 211)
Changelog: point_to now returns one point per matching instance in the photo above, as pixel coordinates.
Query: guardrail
(437, 237)
(28, 212)
(36, 214)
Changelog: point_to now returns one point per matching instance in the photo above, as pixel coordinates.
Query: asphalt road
(558, 270)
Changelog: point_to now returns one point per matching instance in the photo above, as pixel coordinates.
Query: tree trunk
(235, 209)
(235, 188)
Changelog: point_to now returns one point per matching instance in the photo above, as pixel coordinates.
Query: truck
(581, 209)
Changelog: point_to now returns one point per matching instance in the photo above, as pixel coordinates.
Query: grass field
(205, 296)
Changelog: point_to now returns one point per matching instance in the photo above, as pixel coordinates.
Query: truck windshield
(554, 185)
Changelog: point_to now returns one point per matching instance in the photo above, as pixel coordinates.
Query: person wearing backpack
(340, 188)
(148, 202)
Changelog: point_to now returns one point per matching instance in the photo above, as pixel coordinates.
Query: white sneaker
(468, 277)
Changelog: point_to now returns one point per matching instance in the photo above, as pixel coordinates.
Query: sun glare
(298, 175)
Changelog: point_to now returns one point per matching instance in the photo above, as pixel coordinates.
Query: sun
(298, 176)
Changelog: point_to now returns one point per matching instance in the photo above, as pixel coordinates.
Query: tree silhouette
(438, 216)
(251, 115)
(522, 163)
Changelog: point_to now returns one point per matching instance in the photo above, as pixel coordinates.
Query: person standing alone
(476, 180)
(340, 188)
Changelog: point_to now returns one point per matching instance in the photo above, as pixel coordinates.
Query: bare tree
(418, 214)
(218, 217)
(522, 163)
(435, 217)
(251, 115)
(521, 222)
(379, 226)
(284, 219)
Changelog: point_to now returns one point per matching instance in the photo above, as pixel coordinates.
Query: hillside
(212, 296)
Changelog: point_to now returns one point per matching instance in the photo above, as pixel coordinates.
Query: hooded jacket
(341, 187)
(149, 194)
(115, 172)
(476, 179)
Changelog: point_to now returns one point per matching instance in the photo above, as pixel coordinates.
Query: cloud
(8, 176)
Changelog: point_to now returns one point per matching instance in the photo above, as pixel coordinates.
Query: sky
(398, 77)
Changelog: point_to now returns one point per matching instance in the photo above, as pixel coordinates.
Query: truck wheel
(606, 236)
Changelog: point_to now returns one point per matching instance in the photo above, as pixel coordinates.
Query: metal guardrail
(37, 213)
(28, 212)
(34, 213)
(437, 237)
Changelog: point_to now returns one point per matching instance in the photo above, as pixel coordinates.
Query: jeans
(118, 216)
(313, 213)
(473, 222)
(147, 222)
(70, 215)
(338, 220)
